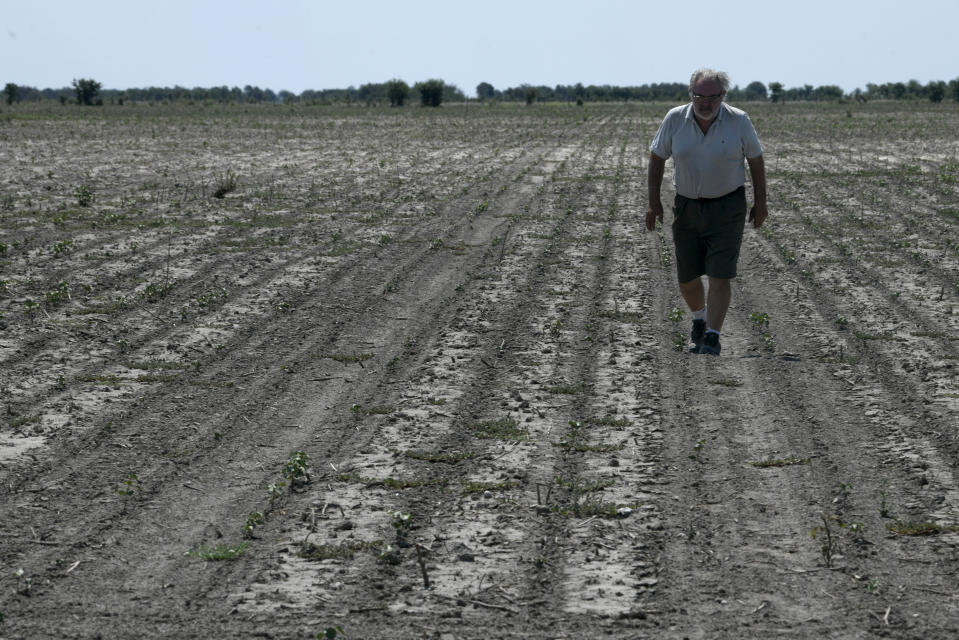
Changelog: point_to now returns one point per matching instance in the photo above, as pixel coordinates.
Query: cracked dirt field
(457, 316)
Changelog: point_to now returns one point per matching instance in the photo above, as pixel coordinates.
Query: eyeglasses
(712, 98)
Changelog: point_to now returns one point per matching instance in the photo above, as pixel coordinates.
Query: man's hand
(654, 212)
(757, 215)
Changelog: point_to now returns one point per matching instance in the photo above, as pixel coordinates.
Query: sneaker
(710, 344)
(699, 330)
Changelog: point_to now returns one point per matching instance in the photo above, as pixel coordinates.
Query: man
(708, 141)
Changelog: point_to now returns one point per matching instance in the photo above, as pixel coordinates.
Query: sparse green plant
(574, 440)
(62, 247)
(883, 499)
(208, 299)
(58, 295)
(376, 410)
(155, 290)
(581, 485)
(872, 586)
(759, 320)
(829, 543)
(780, 462)
(676, 315)
(22, 421)
(24, 585)
(275, 490)
(679, 342)
(129, 485)
(347, 358)
(501, 429)
(470, 487)
(224, 184)
(297, 469)
(842, 322)
(84, 195)
(901, 528)
(555, 328)
(698, 449)
(389, 555)
(30, 306)
(727, 382)
(254, 520)
(629, 317)
(332, 633)
(342, 551)
(566, 389)
(402, 523)
(219, 552)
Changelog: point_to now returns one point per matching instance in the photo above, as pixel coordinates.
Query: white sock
(700, 315)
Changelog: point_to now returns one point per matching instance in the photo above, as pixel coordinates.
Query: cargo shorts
(708, 233)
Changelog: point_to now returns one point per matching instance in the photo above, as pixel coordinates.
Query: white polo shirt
(710, 165)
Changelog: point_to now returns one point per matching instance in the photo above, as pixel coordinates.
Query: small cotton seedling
(331, 633)
(23, 582)
(402, 523)
(275, 489)
(759, 320)
(129, 486)
(296, 470)
(254, 520)
(676, 315)
(829, 544)
(697, 449)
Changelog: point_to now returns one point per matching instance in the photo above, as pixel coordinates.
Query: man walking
(708, 141)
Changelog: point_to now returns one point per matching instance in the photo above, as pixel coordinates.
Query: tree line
(434, 92)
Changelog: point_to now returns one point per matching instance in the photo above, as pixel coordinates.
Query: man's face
(707, 96)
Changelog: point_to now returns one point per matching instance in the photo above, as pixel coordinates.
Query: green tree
(87, 90)
(755, 91)
(529, 94)
(828, 92)
(452, 93)
(936, 91)
(485, 91)
(431, 92)
(11, 93)
(776, 91)
(397, 91)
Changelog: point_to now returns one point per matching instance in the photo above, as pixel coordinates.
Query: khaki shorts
(708, 233)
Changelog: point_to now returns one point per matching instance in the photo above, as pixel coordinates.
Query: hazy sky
(321, 44)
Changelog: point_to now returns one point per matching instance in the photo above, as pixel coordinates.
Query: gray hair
(704, 73)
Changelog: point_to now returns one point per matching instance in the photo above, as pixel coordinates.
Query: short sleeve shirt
(710, 165)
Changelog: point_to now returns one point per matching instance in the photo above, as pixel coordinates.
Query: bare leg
(720, 293)
(694, 294)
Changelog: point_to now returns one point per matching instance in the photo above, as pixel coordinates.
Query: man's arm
(657, 166)
(759, 212)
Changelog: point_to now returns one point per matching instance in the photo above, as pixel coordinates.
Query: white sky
(323, 44)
